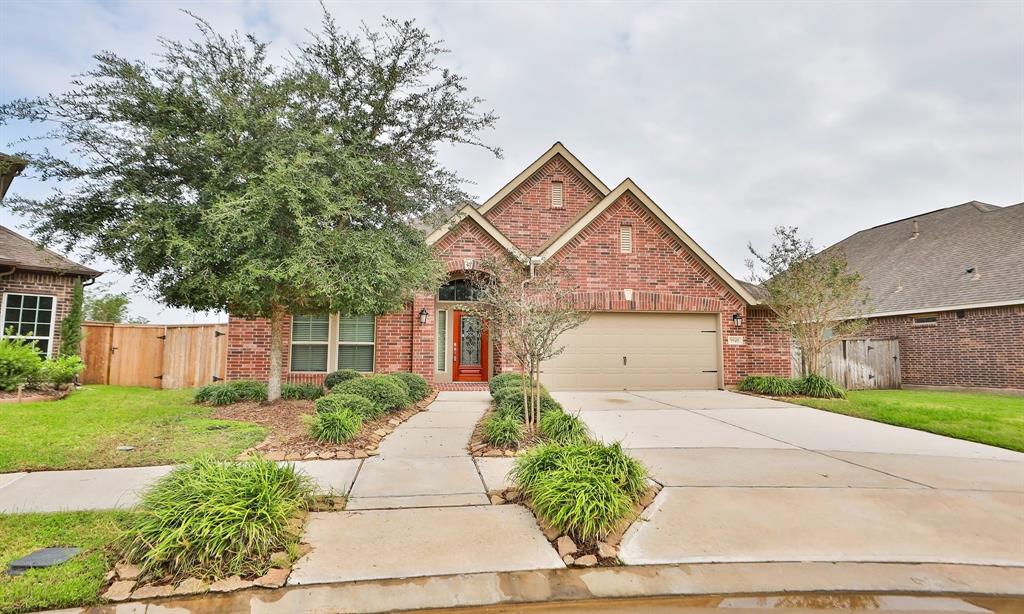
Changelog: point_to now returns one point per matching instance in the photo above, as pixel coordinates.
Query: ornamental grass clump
(227, 393)
(336, 426)
(561, 427)
(504, 430)
(301, 392)
(768, 385)
(814, 385)
(214, 519)
(503, 380)
(337, 401)
(582, 489)
(384, 391)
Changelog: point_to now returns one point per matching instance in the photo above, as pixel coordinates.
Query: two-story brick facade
(664, 314)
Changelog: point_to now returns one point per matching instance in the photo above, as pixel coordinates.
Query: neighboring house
(664, 313)
(949, 285)
(36, 285)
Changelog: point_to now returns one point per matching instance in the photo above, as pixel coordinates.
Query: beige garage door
(638, 351)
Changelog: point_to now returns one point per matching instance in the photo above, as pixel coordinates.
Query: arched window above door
(458, 290)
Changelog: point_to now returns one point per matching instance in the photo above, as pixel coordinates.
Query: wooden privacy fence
(154, 355)
(857, 364)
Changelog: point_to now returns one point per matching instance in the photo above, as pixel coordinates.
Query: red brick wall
(983, 349)
(526, 217)
(49, 284)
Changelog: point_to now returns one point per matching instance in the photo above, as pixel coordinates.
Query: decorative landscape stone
(191, 586)
(120, 590)
(151, 591)
(566, 546)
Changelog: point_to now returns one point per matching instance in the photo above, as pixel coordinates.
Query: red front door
(469, 356)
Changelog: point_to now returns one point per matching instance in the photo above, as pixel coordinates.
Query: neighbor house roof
(23, 253)
(966, 256)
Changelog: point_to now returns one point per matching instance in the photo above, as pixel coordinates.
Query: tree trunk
(277, 314)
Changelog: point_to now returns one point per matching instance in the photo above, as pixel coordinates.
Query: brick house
(36, 285)
(949, 285)
(664, 314)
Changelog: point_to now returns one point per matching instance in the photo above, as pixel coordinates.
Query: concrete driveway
(751, 479)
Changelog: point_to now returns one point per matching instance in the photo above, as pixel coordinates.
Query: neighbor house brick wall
(526, 216)
(984, 348)
(56, 285)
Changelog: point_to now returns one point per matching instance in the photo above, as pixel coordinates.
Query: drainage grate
(44, 557)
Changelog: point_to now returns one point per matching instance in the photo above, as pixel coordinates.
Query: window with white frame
(30, 316)
(310, 343)
(356, 338)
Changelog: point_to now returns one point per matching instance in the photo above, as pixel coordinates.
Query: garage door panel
(661, 351)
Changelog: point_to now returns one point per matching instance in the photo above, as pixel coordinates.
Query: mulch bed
(289, 438)
(40, 394)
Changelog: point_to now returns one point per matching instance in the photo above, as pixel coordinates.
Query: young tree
(226, 181)
(530, 309)
(102, 304)
(71, 325)
(816, 300)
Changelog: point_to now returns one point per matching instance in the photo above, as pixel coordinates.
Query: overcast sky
(734, 117)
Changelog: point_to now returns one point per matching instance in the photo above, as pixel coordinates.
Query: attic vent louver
(556, 194)
(626, 239)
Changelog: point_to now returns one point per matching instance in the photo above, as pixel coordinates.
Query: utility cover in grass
(44, 557)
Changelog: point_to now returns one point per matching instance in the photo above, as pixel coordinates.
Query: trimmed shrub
(227, 393)
(417, 385)
(334, 426)
(339, 401)
(769, 385)
(215, 519)
(19, 362)
(60, 371)
(301, 392)
(401, 384)
(814, 385)
(574, 489)
(383, 391)
(337, 377)
(504, 379)
(503, 430)
(561, 427)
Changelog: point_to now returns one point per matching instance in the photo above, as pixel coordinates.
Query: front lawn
(77, 582)
(993, 419)
(84, 430)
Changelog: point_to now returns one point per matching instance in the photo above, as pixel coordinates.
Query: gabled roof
(556, 150)
(960, 257)
(23, 253)
(631, 188)
(472, 213)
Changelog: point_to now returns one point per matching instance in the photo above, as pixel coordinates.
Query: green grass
(993, 419)
(78, 582)
(84, 430)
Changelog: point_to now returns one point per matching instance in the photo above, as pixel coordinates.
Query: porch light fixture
(423, 315)
(737, 319)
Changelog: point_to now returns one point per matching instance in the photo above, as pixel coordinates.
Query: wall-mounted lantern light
(737, 319)
(423, 315)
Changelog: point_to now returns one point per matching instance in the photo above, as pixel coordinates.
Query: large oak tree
(225, 180)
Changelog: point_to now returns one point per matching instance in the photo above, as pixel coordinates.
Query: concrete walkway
(750, 479)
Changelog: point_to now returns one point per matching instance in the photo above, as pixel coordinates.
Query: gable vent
(556, 194)
(626, 239)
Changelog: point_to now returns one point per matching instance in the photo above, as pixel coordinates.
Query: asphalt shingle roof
(23, 253)
(969, 254)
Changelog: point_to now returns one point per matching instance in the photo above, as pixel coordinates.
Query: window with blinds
(626, 239)
(309, 343)
(356, 338)
(442, 340)
(556, 194)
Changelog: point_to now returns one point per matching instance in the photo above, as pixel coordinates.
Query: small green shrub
(339, 401)
(60, 371)
(383, 391)
(814, 385)
(214, 519)
(503, 430)
(301, 392)
(561, 427)
(504, 379)
(769, 385)
(334, 426)
(584, 503)
(417, 385)
(227, 393)
(19, 362)
(625, 471)
(337, 377)
(510, 400)
(401, 384)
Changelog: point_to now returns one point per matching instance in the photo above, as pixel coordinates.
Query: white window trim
(53, 319)
(335, 337)
(324, 343)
